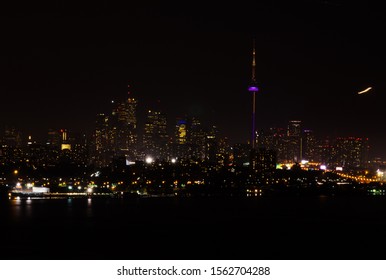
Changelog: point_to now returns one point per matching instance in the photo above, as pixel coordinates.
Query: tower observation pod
(253, 88)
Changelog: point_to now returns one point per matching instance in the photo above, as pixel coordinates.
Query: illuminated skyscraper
(181, 131)
(80, 148)
(211, 145)
(196, 138)
(309, 146)
(102, 154)
(155, 137)
(181, 138)
(115, 135)
(125, 128)
(65, 142)
(294, 141)
(325, 151)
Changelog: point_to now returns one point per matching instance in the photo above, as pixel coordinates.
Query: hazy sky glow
(61, 65)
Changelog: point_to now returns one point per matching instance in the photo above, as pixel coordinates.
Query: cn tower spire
(253, 88)
(253, 62)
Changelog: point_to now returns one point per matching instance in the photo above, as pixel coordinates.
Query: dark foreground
(194, 228)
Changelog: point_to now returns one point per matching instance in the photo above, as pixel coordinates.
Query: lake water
(291, 227)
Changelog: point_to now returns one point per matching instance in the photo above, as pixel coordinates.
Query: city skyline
(117, 135)
(312, 57)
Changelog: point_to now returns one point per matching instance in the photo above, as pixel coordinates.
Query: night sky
(61, 64)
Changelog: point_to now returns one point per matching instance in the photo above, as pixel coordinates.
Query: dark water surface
(194, 228)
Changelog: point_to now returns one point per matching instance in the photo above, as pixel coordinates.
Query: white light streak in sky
(364, 91)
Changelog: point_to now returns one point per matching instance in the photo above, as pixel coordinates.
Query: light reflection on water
(69, 206)
(21, 208)
(34, 207)
(29, 208)
(82, 227)
(89, 207)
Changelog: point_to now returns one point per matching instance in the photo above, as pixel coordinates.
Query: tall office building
(80, 149)
(180, 145)
(116, 133)
(294, 141)
(212, 144)
(155, 137)
(65, 140)
(102, 151)
(181, 131)
(196, 138)
(124, 129)
(309, 146)
(326, 151)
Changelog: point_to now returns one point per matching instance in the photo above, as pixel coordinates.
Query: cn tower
(253, 88)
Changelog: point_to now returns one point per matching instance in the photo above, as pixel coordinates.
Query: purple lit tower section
(253, 88)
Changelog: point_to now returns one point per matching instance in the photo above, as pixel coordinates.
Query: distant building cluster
(118, 137)
(295, 144)
(16, 150)
(118, 140)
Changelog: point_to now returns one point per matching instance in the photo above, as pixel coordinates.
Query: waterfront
(287, 227)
